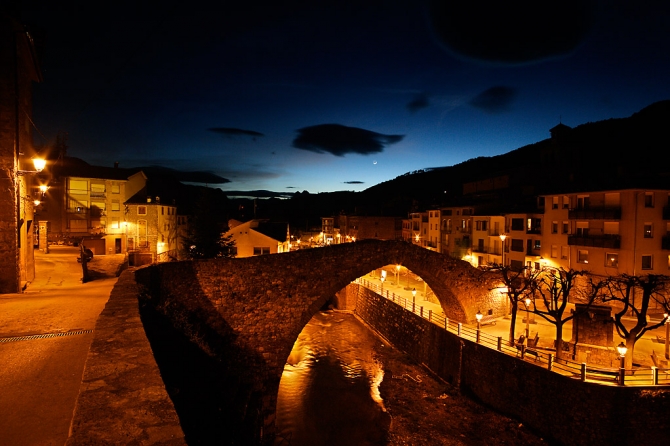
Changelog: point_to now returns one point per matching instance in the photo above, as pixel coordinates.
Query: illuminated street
(40, 377)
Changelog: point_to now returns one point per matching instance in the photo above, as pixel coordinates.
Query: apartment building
(523, 241)
(611, 232)
(486, 241)
(149, 228)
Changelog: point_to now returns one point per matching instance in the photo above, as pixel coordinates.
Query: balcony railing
(595, 213)
(612, 241)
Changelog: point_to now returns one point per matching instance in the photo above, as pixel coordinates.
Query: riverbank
(425, 411)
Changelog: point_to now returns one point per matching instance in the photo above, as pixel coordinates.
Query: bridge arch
(251, 310)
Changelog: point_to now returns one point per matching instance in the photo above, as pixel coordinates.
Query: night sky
(336, 95)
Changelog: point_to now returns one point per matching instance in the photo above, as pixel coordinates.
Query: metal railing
(641, 376)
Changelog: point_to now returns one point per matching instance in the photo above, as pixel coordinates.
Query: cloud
(340, 140)
(354, 182)
(229, 131)
(494, 100)
(511, 32)
(420, 101)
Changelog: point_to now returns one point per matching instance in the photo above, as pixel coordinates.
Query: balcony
(612, 241)
(595, 213)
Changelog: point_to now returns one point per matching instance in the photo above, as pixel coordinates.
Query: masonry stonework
(251, 310)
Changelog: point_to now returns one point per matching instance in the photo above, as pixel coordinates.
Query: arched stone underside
(250, 311)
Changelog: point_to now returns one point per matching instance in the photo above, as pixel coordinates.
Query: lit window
(647, 262)
(612, 260)
(648, 233)
(116, 189)
(116, 206)
(582, 256)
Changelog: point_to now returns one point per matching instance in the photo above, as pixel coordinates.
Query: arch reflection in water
(329, 391)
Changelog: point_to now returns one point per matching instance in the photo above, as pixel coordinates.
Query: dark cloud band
(341, 140)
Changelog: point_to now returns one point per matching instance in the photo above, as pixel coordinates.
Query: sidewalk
(546, 331)
(45, 336)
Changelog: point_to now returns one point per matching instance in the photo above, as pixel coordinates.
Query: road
(45, 334)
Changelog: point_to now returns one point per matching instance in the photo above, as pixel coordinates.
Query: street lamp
(397, 275)
(38, 163)
(527, 302)
(667, 335)
(478, 316)
(413, 297)
(382, 279)
(502, 238)
(622, 349)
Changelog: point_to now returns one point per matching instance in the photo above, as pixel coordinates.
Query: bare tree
(519, 284)
(634, 294)
(554, 287)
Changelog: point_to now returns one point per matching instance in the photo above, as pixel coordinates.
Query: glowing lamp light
(622, 349)
(528, 301)
(43, 188)
(39, 164)
(479, 316)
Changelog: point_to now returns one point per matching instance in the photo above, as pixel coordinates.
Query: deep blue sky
(336, 95)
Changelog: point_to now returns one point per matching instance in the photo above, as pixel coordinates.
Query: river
(329, 391)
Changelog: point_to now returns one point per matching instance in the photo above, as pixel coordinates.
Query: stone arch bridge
(248, 312)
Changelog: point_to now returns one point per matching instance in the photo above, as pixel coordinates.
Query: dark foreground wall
(560, 408)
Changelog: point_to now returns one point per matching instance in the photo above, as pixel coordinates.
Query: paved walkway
(45, 335)
(402, 286)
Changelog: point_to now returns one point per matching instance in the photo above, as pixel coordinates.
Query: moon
(374, 162)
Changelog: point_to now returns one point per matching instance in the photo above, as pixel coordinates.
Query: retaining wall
(557, 407)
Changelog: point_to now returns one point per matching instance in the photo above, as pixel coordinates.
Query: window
(115, 222)
(554, 251)
(116, 206)
(141, 210)
(611, 227)
(649, 199)
(648, 232)
(611, 260)
(647, 262)
(517, 224)
(97, 189)
(565, 252)
(78, 187)
(260, 251)
(116, 189)
(566, 202)
(554, 227)
(582, 228)
(566, 227)
(517, 245)
(142, 233)
(536, 244)
(582, 256)
(554, 202)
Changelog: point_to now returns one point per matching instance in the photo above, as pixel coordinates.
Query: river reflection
(329, 391)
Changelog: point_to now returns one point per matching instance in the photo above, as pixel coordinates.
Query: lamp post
(478, 316)
(382, 279)
(397, 275)
(502, 252)
(667, 335)
(527, 302)
(622, 349)
(413, 299)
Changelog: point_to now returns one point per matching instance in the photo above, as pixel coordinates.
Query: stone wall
(560, 408)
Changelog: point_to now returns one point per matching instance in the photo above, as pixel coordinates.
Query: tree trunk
(630, 345)
(512, 324)
(559, 340)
